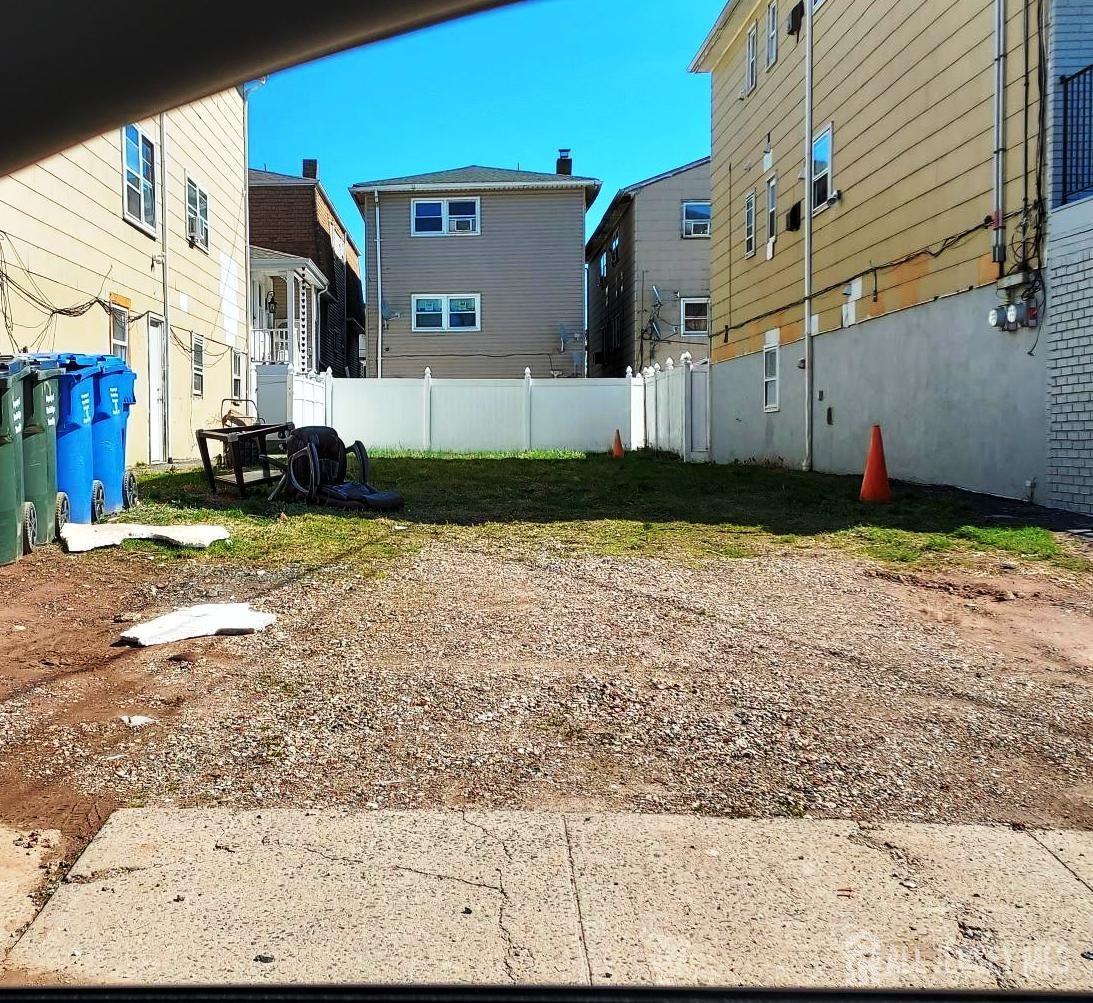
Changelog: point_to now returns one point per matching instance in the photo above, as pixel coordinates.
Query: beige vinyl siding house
(488, 301)
(638, 296)
(903, 264)
(72, 235)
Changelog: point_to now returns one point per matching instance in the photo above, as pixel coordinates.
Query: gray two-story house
(476, 272)
(649, 273)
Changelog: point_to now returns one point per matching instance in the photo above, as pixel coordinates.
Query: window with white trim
(197, 214)
(694, 317)
(749, 224)
(444, 217)
(197, 364)
(772, 207)
(770, 377)
(446, 312)
(141, 186)
(616, 243)
(119, 333)
(603, 269)
(696, 218)
(772, 33)
(816, 4)
(822, 171)
(751, 58)
(237, 376)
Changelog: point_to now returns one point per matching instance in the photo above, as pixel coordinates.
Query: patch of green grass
(644, 505)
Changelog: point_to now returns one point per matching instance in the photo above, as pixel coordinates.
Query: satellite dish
(656, 296)
(385, 309)
(656, 329)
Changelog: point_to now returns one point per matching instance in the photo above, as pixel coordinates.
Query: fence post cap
(669, 363)
(629, 371)
(656, 367)
(685, 359)
(527, 372)
(428, 372)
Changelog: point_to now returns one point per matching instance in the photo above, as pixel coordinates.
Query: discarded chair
(314, 469)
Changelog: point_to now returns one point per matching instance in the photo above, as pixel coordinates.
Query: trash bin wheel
(30, 526)
(130, 493)
(98, 501)
(62, 512)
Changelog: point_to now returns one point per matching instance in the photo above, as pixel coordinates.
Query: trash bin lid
(70, 362)
(111, 364)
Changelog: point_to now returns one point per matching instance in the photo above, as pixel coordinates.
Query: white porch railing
(285, 345)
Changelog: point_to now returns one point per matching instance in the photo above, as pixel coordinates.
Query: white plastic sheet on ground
(78, 537)
(199, 621)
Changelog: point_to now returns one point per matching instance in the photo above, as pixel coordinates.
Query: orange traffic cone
(874, 485)
(616, 446)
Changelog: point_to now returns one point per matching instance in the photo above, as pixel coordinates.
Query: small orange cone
(616, 446)
(874, 485)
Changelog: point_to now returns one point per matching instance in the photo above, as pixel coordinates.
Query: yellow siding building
(910, 211)
(134, 243)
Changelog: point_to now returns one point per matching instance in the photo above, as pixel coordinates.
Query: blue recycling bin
(75, 464)
(115, 394)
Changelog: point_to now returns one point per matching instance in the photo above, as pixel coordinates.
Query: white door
(157, 404)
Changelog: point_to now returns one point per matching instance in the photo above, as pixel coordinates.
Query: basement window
(770, 374)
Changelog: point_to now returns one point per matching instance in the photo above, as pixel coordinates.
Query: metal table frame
(233, 439)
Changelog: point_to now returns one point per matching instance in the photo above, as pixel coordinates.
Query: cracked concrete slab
(22, 857)
(199, 895)
(826, 903)
(501, 897)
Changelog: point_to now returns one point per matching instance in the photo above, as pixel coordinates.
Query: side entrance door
(157, 385)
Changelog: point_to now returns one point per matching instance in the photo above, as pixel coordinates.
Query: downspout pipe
(248, 306)
(998, 252)
(379, 289)
(164, 270)
(806, 463)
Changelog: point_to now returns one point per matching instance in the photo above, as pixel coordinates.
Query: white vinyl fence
(283, 395)
(658, 409)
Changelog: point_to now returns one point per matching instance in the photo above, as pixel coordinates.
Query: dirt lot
(478, 673)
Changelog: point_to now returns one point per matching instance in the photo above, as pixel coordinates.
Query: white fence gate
(283, 395)
(676, 408)
(660, 409)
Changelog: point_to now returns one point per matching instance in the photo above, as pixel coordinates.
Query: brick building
(294, 215)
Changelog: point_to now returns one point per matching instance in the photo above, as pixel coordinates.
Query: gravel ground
(792, 684)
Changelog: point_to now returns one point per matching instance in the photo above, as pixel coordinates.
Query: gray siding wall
(678, 267)
(611, 307)
(959, 403)
(527, 263)
(653, 252)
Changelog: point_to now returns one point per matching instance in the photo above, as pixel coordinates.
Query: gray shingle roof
(256, 177)
(486, 177)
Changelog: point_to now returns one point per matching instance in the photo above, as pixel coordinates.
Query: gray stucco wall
(740, 430)
(959, 402)
(527, 263)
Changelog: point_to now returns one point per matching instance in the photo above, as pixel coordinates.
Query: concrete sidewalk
(220, 896)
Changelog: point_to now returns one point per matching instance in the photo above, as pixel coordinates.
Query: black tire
(98, 501)
(30, 527)
(130, 492)
(61, 512)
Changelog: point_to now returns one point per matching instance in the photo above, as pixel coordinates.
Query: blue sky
(605, 77)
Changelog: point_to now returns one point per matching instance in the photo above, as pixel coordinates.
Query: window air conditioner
(700, 229)
(463, 225)
(793, 217)
(796, 19)
(193, 228)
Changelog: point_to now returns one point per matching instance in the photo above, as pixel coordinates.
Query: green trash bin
(49, 511)
(11, 460)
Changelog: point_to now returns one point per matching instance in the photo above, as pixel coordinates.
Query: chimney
(565, 162)
(311, 168)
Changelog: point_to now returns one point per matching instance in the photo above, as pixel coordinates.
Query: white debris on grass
(199, 621)
(80, 537)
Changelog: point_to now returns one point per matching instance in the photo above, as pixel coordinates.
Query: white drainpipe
(379, 291)
(165, 432)
(999, 251)
(807, 461)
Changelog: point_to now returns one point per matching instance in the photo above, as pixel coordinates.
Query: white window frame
(688, 225)
(772, 207)
(829, 131)
(683, 303)
(139, 221)
(751, 58)
(116, 343)
(749, 224)
(772, 33)
(198, 193)
(616, 244)
(817, 4)
(197, 369)
(770, 350)
(603, 269)
(446, 299)
(445, 218)
(237, 375)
